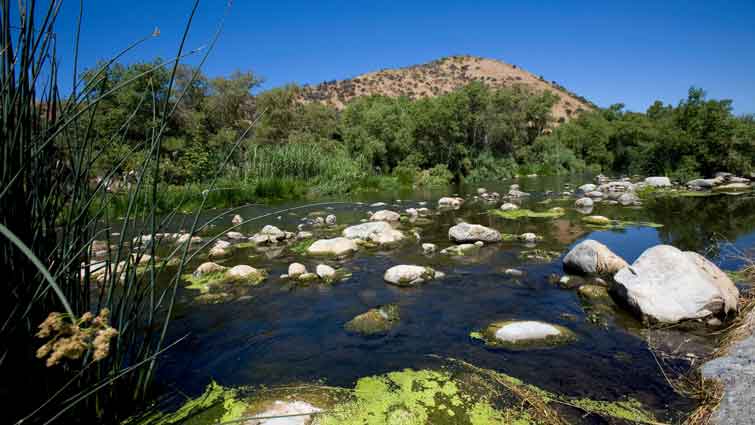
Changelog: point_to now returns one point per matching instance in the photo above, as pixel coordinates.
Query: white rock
(379, 232)
(466, 232)
(587, 188)
(658, 181)
(242, 271)
(405, 275)
(667, 285)
(517, 332)
(592, 257)
(296, 269)
(448, 202)
(325, 272)
(584, 203)
(219, 252)
(330, 220)
(335, 246)
(385, 215)
(208, 267)
(528, 237)
(235, 235)
(237, 220)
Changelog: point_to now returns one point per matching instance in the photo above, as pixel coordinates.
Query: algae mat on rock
(458, 394)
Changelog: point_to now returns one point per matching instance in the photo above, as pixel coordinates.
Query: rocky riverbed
(557, 283)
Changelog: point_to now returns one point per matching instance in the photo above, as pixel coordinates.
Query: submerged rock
(667, 285)
(405, 275)
(592, 257)
(375, 321)
(732, 187)
(335, 247)
(293, 412)
(594, 292)
(379, 232)
(461, 250)
(525, 334)
(597, 220)
(465, 232)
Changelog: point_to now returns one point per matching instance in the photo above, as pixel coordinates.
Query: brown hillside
(442, 76)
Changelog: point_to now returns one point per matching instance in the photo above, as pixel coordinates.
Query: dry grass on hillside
(443, 76)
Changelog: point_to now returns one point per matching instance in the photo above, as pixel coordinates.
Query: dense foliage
(474, 133)
(696, 138)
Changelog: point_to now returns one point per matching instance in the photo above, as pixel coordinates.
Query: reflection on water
(285, 333)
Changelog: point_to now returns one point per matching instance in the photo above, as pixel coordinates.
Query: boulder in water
(466, 232)
(208, 268)
(334, 247)
(592, 258)
(375, 321)
(448, 202)
(667, 285)
(385, 215)
(525, 334)
(325, 272)
(584, 203)
(296, 269)
(379, 232)
(405, 275)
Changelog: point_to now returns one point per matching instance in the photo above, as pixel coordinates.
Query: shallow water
(285, 333)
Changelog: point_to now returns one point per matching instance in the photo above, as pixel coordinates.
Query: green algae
(603, 223)
(411, 397)
(463, 394)
(302, 246)
(526, 213)
(216, 405)
(205, 282)
(629, 409)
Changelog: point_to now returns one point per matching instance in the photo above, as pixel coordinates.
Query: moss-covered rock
(594, 293)
(375, 321)
(514, 334)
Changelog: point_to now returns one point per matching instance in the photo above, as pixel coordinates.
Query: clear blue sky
(608, 51)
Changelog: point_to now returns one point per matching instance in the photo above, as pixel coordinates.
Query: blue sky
(630, 52)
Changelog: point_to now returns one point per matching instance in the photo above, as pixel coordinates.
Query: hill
(442, 76)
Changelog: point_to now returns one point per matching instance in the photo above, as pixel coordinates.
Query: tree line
(473, 133)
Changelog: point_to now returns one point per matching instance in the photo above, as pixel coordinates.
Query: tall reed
(50, 215)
